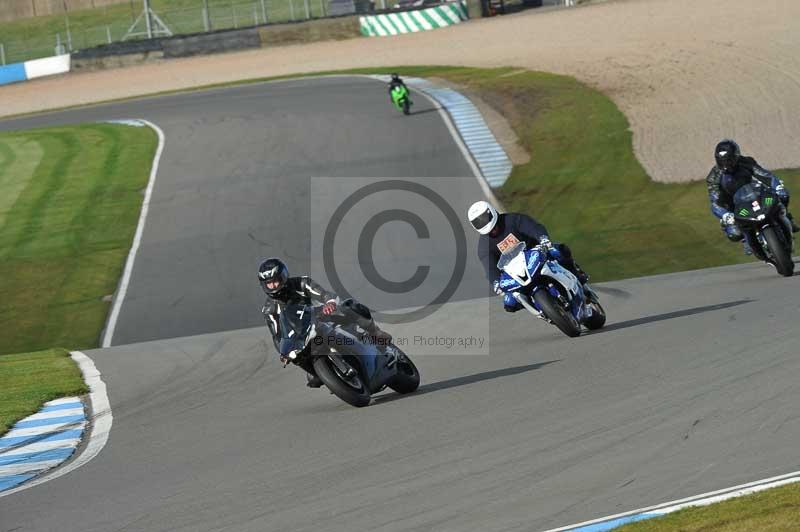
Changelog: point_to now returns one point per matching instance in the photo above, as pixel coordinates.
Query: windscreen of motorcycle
(512, 261)
(747, 194)
(295, 322)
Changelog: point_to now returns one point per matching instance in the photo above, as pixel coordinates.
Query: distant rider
(732, 171)
(282, 290)
(393, 84)
(498, 230)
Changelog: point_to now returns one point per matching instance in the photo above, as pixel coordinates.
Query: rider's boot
(378, 336)
(312, 381)
(564, 256)
(582, 276)
(382, 340)
(575, 270)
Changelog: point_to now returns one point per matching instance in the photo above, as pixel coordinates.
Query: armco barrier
(36, 68)
(176, 46)
(225, 41)
(413, 21)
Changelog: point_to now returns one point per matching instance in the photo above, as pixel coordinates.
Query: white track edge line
(137, 239)
(487, 190)
(695, 500)
(102, 419)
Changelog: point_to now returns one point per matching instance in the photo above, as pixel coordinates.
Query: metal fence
(74, 35)
(77, 30)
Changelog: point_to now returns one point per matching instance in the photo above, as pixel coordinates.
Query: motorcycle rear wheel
(357, 396)
(598, 317)
(562, 319)
(407, 378)
(782, 257)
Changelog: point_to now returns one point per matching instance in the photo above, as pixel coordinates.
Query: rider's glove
(545, 244)
(497, 289)
(781, 191)
(728, 219)
(329, 308)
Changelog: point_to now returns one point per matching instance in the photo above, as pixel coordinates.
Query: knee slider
(734, 237)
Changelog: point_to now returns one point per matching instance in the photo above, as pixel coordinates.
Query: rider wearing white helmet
(498, 229)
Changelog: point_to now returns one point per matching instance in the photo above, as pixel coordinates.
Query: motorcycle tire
(406, 107)
(562, 319)
(782, 257)
(407, 378)
(359, 396)
(598, 317)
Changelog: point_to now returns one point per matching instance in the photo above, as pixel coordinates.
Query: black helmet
(395, 77)
(727, 154)
(272, 270)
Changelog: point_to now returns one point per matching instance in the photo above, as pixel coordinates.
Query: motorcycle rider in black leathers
(273, 276)
(496, 228)
(394, 83)
(733, 170)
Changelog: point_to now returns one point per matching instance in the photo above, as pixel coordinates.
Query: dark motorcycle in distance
(348, 362)
(759, 213)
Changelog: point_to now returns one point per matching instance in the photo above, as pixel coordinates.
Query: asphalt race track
(234, 187)
(691, 387)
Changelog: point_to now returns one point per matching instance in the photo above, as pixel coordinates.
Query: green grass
(69, 204)
(773, 510)
(27, 380)
(36, 37)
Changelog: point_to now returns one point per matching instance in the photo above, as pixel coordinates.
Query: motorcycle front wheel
(351, 390)
(562, 319)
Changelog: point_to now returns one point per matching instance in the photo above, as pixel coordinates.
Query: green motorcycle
(401, 99)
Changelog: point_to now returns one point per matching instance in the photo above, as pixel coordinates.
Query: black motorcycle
(759, 213)
(349, 362)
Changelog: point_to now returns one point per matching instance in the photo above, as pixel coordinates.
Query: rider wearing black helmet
(273, 276)
(394, 83)
(736, 168)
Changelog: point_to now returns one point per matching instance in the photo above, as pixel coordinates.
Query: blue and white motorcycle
(548, 290)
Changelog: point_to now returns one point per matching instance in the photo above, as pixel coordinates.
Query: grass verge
(773, 510)
(69, 204)
(27, 380)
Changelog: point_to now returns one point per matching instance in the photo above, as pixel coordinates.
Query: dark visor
(483, 220)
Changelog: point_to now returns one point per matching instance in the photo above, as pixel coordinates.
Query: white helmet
(482, 216)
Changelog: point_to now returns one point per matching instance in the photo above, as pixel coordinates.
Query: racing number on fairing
(507, 243)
